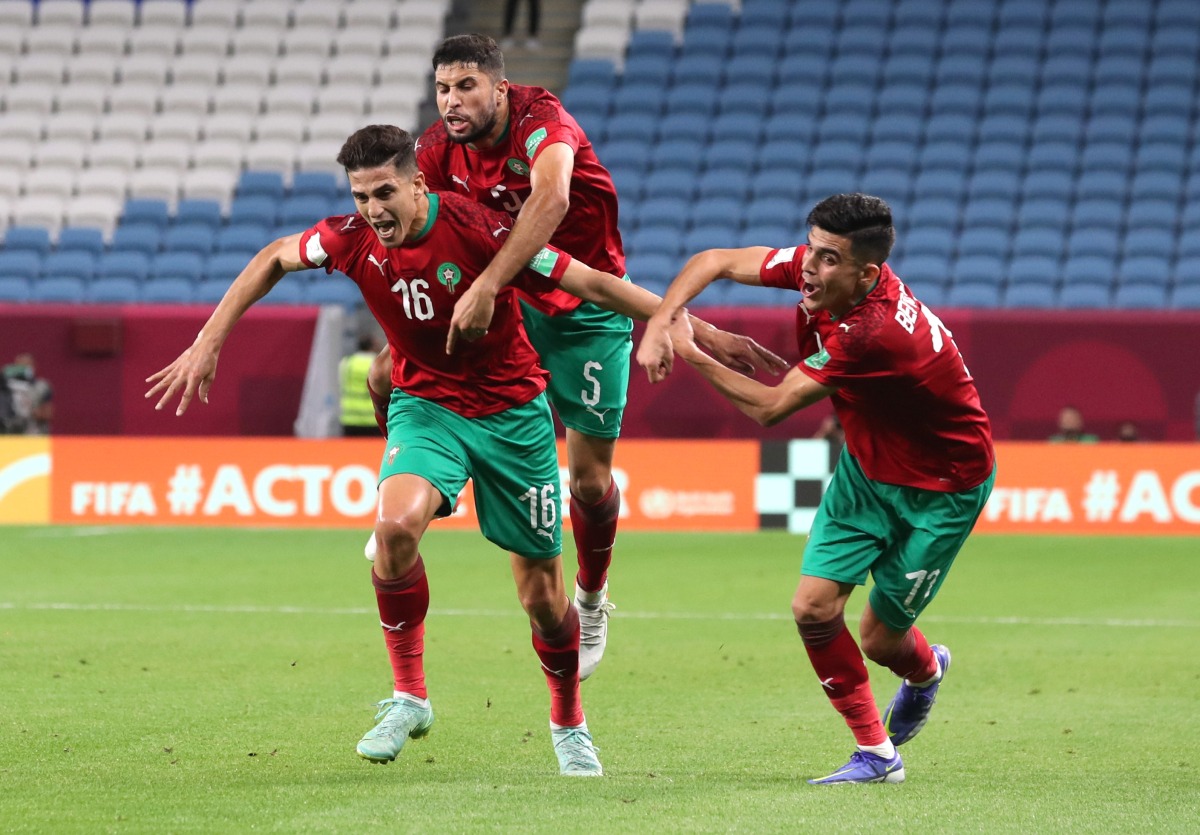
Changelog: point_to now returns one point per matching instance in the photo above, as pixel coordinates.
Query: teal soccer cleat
(576, 753)
(401, 719)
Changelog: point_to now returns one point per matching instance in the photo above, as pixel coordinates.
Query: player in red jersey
(516, 149)
(478, 413)
(914, 475)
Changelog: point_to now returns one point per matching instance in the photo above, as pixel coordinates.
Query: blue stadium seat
(1152, 214)
(1018, 41)
(716, 211)
(15, 289)
(836, 155)
(938, 211)
(129, 265)
(678, 152)
(112, 291)
(303, 212)
(261, 183)
(772, 211)
(189, 237)
(210, 291)
(1157, 155)
(978, 269)
(826, 181)
(650, 42)
(1056, 127)
(1145, 269)
(1177, 14)
(983, 240)
(1069, 40)
(953, 155)
(1004, 126)
(1033, 269)
(660, 240)
(223, 266)
(1088, 271)
(994, 183)
(1009, 99)
(589, 98)
(750, 69)
(598, 71)
(255, 209)
(892, 186)
(1154, 185)
(774, 236)
(1118, 96)
(332, 289)
(204, 212)
(936, 240)
(769, 14)
(625, 155)
(990, 212)
(1098, 242)
(671, 182)
(627, 183)
(644, 269)
(851, 127)
(1069, 69)
(918, 40)
(634, 127)
(1049, 182)
(137, 237)
(66, 289)
(291, 290)
(975, 294)
(1097, 214)
(647, 69)
(782, 155)
(854, 69)
(1183, 297)
(960, 64)
(714, 43)
(1170, 129)
(1101, 184)
(167, 291)
(1037, 241)
(1140, 297)
(936, 183)
(735, 127)
(640, 97)
(692, 97)
(1036, 296)
(955, 99)
(789, 127)
(778, 182)
(178, 264)
(1060, 157)
(695, 70)
(1106, 156)
(1007, 157)
(1051, 213)
(78, 265)
(755, 39)
(690, 125)
(663, 211)
(925, 269)
(1149, 242)
(81, 239)
(803, 67)
(34, 239)
(808, 16)
(146, 211)
(316, 184)
(700, 238)
(245, 238)
(932, 294)
(750, 100)
(891, 155)
(906, 70)
(1016, 70)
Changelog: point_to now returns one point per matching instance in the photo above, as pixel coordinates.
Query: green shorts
(511, 457)
(906, 538)
(586, 352)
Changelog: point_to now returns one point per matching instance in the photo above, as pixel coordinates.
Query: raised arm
(539, 217)
(193, 371)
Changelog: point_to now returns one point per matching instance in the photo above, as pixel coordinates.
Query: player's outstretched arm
(193, 371)
(655, 353)
(767, 405)
(539, 217)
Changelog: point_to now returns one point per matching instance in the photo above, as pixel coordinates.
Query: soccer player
(515, 148)
(912, 479)
(479, 413)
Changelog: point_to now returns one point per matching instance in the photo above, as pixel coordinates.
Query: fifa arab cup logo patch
(518, 167)
(449, 275)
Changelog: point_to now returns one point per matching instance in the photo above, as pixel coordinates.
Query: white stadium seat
(12, 43)
(255, 41)
(120, 152)
(287, 126)
(275, 155)
(405, 70)
(231, 126)
(51, 39)
(661, 14)
(166, 153)
(16, 15)
(336, 127)
(103, 181)
(210, 183)
(85, 99)
(205, 12)
(267, 13)
(351, 69)
(219, 153)
(39, 210)
(96, 211)
(61, 11)
(72, 125)
(97, 67)
(421, 13)
(394, 107)
(146, 67)
(299, 69)
(52, 181)
(320, 156)
(306, 42)
(416, 39)
(195, 69)
(211, 39)
(160, 39)
(182, 126)
(29, 97)
(289, 98)
(607, 13)
(155, 183)
(360, 40)
(337, 100)
(188, 98)
(248, 69)
(69, 153)
(126, 127)
(112, 12)
(237, 98)
(39, 68)
(368, 13)
(322, 14)
(103, 39)
(133, 97)
(606, 42)
(171, 13)
(25, 126)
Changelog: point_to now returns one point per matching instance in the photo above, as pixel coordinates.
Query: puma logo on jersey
(349, 224)
(460, 181)
(382, 265)
(808, 317)
(599, 414)
(497, 190)
(523, 118)
(500, 228)
(397, 628)
(827, 683)
(844, 326)
(546, 534)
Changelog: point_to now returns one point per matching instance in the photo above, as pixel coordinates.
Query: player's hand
(741, 353)
(655, 353)
(192, 372)
(472, 316)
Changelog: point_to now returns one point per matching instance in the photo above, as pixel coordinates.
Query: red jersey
(904, 396)
(411, 291)
(499, 177)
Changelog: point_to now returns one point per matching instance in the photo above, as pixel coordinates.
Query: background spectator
(1070, 428)
(27, 402)
(357, 413)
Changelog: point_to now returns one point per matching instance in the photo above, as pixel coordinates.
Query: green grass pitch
(187, 680)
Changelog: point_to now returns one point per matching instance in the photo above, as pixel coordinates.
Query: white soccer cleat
(371, 548)
(593, 628)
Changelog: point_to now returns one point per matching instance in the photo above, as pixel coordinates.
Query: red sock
(380, 402)
(558, 650)
(840, 669)
(913, 659)
(595, 528)
(403, 604)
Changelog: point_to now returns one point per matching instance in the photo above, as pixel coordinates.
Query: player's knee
(398, 538)
(591, 485)
(540, 606)
(810, 608)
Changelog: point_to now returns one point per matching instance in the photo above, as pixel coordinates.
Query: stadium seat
(14, 289)
(261, 183)
(137, 237)
(153, 212)
(1036, 296)
(34, 239)
(127, 265)
(167, 291)
(1183, 297)
(112, 291)
(1085, 296)
(983, 295)
(203, 212)
(185, 265)
(189, 237)
(1088, 270)
(69, 290)
(1033, 269)
(332, 289)
(671, 182)
(1145, 269)
(25, 265)
(78, 265)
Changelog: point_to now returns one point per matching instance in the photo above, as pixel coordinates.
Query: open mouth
(457, 124)
(385, 229)
(809, 290)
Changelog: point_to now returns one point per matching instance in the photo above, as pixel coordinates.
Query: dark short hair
(471, 50)
(377, 145)
(864, 219)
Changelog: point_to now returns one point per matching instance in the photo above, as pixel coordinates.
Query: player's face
(391, 202)
(473, 107)
(833, 279)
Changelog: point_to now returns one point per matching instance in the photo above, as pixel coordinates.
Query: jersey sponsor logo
(313, 251)
(598, 414)
(462, 181)
(393, 452)
(544, 261)
(500, 229)
(535, 139)
(518, 167)
(382, 265)
(448, 275)
(349, 224)
(782, 256)
(844, 326)
(808, 317)
(818, 360)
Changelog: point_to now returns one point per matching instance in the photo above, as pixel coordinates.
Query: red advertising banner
(667, 485)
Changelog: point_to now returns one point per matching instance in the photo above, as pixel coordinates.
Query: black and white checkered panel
(791, 481)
